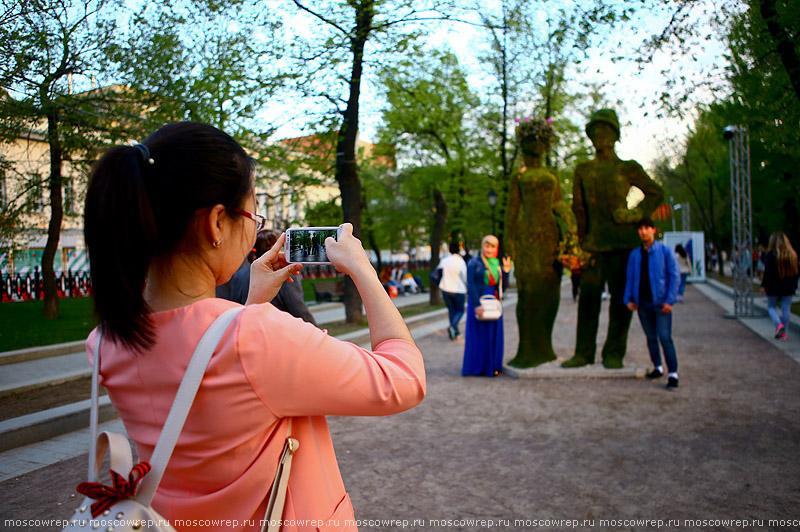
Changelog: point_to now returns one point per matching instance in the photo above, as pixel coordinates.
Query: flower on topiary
(539, 129)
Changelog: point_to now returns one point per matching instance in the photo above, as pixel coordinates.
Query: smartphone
(306, 245)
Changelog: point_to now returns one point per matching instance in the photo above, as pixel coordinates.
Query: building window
(37, 198)
(69, 197)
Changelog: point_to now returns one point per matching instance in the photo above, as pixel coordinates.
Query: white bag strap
(94, 414)
(182, 404)
(175, 420)
(119, 452)
(277, 495)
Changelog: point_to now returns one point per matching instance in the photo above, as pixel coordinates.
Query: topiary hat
(606, 116)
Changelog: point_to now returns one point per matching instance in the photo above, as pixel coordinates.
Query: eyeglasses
(257, 218)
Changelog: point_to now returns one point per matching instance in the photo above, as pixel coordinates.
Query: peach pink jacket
(269, 366)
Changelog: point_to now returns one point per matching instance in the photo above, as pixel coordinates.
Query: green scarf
(494, 267)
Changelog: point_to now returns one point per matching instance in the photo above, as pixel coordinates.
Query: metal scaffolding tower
(741, 220)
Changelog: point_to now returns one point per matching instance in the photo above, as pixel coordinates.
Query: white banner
(694, 243)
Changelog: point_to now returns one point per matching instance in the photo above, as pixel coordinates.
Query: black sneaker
(654, 374)
(672, 383)
(451, 332)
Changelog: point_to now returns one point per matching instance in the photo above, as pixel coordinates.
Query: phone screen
(307, 244)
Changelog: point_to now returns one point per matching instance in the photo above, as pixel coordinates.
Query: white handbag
(492, 306)
(125, 505)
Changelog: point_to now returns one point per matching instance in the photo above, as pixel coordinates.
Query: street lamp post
(492, 197)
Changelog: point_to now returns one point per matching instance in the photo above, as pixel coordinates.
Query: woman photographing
(169, 220)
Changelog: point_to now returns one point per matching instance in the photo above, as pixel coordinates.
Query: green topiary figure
(607, 230)
(536, 219)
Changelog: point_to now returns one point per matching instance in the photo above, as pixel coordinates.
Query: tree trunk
(56, 217)
(439, 219)
(507, 164)
(346, 169)
(373, 244)
(783, 43)
(369, 234)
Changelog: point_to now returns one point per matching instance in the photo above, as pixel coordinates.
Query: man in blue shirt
(651, 288)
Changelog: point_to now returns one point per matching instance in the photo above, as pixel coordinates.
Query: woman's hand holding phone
(347, 254)
(269, 272)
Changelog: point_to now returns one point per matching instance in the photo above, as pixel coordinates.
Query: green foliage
(396, 208)
(48, 52)
(429, 117)
(324, 213)
(702, 176)
(767, 105)
(764, 102)
(200, 61)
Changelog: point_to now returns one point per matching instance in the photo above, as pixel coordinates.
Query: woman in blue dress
(483, 348)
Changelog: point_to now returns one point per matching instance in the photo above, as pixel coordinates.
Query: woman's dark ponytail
(121, 235)
(139, 204)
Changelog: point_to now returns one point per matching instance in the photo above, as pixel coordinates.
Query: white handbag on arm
(125, 505)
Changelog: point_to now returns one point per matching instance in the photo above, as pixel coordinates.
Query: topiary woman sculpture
(536, 221)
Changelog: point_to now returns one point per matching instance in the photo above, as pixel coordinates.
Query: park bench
(328, 290)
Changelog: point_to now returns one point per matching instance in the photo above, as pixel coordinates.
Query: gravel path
(519, 452)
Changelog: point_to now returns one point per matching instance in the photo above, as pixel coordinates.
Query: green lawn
(24, 326)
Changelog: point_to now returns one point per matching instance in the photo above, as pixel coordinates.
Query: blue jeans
(786, 308)
(682, 286)
(658, 328)
(455, 308)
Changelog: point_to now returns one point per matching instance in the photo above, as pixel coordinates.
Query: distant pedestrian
(685, 266)
(454, 288)
(780, 281)
(651, 288)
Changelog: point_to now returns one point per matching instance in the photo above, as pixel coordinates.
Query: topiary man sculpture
(607, 230)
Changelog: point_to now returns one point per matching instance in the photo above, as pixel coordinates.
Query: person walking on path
(780, 281)
(167, 221)
(454, 288)
(651, 288)
(483, 348)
